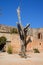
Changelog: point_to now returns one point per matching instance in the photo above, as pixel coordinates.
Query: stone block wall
(36, 35)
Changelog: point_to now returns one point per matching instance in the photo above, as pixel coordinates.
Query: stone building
(37, 39)
(13, 39)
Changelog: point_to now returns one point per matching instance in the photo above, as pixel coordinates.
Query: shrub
(36, 50)
(12, 31)
(2, 40)
(9, 50)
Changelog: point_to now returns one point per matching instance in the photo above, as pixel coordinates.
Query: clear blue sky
(31, 12)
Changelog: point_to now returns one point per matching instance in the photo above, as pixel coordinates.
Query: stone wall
(13, 39)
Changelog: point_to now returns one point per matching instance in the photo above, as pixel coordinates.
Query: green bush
(36, 50)
(14, 30)
(9, 50)
(2, 40)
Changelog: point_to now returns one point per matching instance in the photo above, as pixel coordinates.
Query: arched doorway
(2, 43)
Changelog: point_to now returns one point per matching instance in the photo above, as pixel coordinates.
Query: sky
(31, 12)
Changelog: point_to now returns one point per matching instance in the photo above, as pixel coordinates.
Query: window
(39, 36)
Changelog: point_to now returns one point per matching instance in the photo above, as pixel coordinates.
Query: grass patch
(10, 49)
(36, 50)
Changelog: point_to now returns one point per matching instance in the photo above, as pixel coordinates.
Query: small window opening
(39, 36)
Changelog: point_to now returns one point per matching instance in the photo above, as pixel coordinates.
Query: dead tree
(23, 34)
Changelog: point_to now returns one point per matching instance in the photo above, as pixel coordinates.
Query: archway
(2, 43)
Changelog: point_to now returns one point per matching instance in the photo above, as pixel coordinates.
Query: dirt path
(15, 59)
